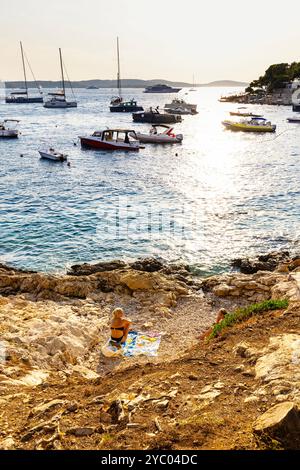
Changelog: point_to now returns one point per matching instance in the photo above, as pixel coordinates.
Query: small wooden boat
(250, 125)
(244, 113)
(6, 132)
(111, 139)
(154, 137)
(52, 155)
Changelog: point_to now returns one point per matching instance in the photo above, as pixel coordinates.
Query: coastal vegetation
(275, 77)
(242, 314)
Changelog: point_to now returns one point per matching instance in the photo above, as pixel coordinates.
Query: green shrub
(243, 313)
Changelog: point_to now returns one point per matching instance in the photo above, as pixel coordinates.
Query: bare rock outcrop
(280, 423)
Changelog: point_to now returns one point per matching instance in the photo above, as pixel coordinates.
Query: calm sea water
(217, 196)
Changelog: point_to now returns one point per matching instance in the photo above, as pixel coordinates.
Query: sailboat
(58, 99)
(21, 97)
(117, 105)
(193, 87)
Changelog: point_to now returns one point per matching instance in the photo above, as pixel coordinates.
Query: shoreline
(53, 327)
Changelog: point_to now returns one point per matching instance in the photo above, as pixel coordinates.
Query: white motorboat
(6, 132)
(155, 137)
(180, 106)
(52, 155)
(58, 99)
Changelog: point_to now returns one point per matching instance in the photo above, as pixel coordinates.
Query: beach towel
(138, 344)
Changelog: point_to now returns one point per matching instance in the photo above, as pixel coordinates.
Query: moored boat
(117, 104)
(155, 137)
(179, 106)
(244, 113)
(250, 125)
(161, 88)
(22, 96)
(58, 99)
(111, 139)
(52, 155)
(294, 119)
(155, 117)
(6, 132)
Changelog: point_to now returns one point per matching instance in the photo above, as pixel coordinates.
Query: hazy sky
(171, 39)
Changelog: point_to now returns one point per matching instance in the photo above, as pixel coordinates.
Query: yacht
(22, 96)
(161, 88)
(58, 99)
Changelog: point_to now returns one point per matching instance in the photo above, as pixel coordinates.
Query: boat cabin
(114, 135)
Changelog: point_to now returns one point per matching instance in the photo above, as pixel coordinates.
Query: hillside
(126, 83)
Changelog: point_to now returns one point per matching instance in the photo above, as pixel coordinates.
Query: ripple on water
(217, 196)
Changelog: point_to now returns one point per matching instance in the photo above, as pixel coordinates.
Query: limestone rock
(281, 422)
(7, 444)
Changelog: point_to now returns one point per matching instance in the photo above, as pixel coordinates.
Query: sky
(171, 39)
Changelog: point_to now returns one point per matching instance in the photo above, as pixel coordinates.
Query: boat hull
(173, 90)
(156, 118)
(159, 139)
(294, 120)
(23, 100)
(53, 158)
(99, 144)
(125, 109)
(232, 113)
(63, 105)
(7, 134)
(251, 128)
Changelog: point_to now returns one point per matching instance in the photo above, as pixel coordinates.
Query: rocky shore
(58, 391)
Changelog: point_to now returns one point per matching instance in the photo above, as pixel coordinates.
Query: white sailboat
(58, 99)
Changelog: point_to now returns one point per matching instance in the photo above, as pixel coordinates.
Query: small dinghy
(155, 137)
(52, 155)
(6, 132)
(295, 119)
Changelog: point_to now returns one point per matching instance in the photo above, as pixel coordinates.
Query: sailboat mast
(62, 73)
(119, 73)
(24, 69)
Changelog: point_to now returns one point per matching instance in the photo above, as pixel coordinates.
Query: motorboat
(295, 119)
(58, 99)
(22, 96)
(52, 155)
(125, 107)
(156, 117)
(117, 104)
(155, 137)
(244, 113)
(111, 139)
(161, 88)
(250, 125)
(179, 106)
(6, 132)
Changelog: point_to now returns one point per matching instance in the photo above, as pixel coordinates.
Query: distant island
(129, 83)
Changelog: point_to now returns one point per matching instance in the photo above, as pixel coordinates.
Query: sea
(217, 196)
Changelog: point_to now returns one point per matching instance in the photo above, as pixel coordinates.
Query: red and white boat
(111, 139)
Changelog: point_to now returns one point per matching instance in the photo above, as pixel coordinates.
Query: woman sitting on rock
(119, 326)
